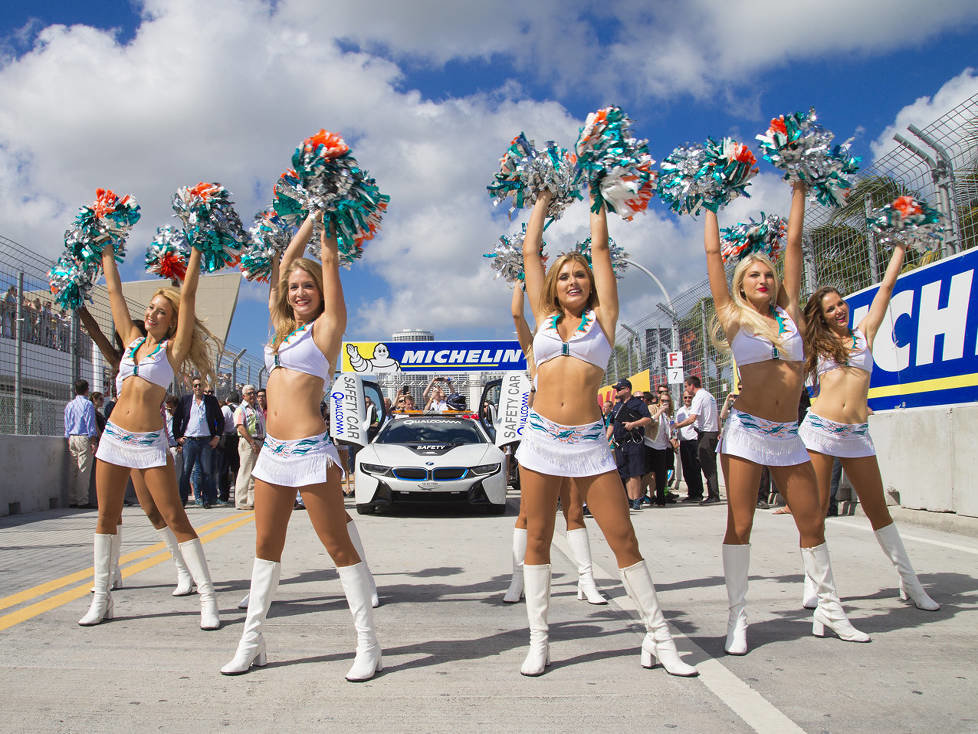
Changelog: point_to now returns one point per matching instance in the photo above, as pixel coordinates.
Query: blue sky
(145, 97)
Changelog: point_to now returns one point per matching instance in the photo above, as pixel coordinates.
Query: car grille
(447, 473)
(410, 472)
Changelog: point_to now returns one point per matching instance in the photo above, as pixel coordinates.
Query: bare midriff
(567, 390)
(771, 390)
(842, 395)
(293, 405)
(138, 407)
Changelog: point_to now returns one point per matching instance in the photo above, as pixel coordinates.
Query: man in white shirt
(688, 448)
(704, 417)
(250, 424)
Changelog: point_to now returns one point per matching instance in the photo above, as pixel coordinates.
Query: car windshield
(442, 431)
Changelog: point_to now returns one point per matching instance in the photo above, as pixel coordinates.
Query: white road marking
(916, 538)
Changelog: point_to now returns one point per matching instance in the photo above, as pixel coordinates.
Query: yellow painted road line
(48, 586)
(33, 610)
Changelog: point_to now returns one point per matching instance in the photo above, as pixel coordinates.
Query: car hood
(397, 454)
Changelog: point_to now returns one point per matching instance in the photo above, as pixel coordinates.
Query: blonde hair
(741, 309)
(549, 303)
(199, 355)
(283, 317)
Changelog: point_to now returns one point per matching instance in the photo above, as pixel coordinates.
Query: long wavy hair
(820, 340)
(549, 303)
(283, 317)
(199, 356)
(741, 309)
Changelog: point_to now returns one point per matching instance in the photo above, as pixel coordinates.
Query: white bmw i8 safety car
(428, 458)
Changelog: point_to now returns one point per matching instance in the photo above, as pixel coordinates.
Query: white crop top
(750, 349)
(860, 356)
(299, 352)
(588, 342)
(154, 367)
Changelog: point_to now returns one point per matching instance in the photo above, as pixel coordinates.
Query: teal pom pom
(618, 255)
(524, 172)
(211, 224)
(744, 238)
(908, 222)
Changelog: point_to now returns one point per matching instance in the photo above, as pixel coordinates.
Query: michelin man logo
(380, 361)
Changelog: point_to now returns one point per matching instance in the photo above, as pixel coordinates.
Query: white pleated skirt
(134, 450)
(764, 442)
(296, 463)
(564, 451)
(842, 440)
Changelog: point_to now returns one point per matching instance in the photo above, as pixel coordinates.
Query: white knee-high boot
(101, 607)
(185, 582)
(515, 591)
(889, 540)
(536, 587)
(116, 550)
(658, 642)
(809, 595)
(251, 647)
(193, 555)
(736, 565)
(351, 529)
(357, 587)
(580, 547)
(829, 612)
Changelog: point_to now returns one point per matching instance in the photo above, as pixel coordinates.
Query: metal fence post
(706, 348)
(874, 262)
(19, 356)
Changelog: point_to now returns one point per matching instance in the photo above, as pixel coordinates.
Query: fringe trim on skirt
(842, 440)
(296, 463)
(564, 451)
(764, 442)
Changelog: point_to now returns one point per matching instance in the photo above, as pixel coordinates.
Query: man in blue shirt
(80, 432)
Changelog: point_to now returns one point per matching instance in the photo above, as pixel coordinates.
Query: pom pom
(211, 224)
(524, 172)
(71, 281)
(744, 238)
(710, 175)
(618, 255)
(167, 254)
(326, 178)
(618, 168)
(803, 149)
(506, 257)
(270, 236)
(108, 219)
(908, 222)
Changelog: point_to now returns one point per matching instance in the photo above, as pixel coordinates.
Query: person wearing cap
(629, 419)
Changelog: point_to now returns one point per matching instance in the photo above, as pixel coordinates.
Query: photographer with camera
(629, 418)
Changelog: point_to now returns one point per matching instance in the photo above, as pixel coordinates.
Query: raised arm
(523, 334)
(101, 341)
(716, 271)
(117, 301)
(187, 322)
(793, 258)
(331, 325)
(294, 251)
(532, 259)
(872, 320)
(604, 275)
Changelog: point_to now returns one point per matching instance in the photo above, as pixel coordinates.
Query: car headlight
(379, 469)
(484, 469)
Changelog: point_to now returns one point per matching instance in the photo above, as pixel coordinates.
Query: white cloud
(925, 110)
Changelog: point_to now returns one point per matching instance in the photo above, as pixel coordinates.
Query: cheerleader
(134, 442)
(308, 315)
(570, 499)
(185, 582)
(576, 311)
(840, 360)
(761, 319)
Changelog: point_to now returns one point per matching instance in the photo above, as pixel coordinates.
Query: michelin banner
(925, 350)
(375, 358)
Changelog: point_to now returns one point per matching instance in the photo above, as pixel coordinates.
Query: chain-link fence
(937, 163)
